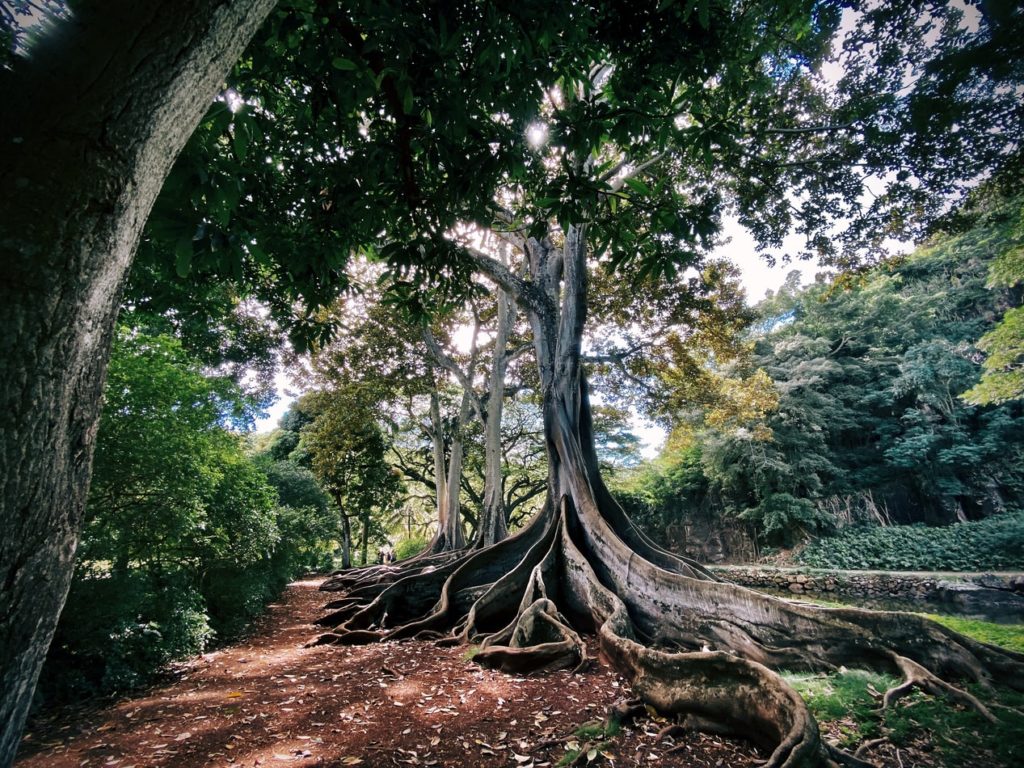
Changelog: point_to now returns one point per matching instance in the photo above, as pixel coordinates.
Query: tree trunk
(493, 522)
(92, 122)
(366, 541)
(440, 472)
(454, 535)
(346, 541)
(581, 563)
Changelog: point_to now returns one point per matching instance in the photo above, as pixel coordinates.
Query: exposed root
(693, 648)
(842, 757)
(916, 676)
(870, 744)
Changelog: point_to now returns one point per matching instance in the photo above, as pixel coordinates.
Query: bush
(118, 630)
(409, 547)
(995, 543)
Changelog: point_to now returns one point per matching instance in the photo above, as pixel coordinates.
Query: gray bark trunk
(440, 470)
(92, 123)
(493, 520)
(454, 534)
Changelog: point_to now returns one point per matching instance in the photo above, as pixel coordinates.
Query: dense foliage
(981, 545)
(186, 537)
(870, 423)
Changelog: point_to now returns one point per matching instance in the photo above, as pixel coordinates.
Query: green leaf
(345, 65)
(638, 186)
(241, 144)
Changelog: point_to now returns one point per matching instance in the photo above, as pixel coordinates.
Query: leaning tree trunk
(92, 122)
(693, 647)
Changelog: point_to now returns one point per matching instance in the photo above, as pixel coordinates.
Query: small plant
(588, 741)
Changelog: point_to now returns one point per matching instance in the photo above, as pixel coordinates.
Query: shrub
(413, 545)
(117, 630)
(995, 543)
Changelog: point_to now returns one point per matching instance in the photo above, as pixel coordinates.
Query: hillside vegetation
(870, 423)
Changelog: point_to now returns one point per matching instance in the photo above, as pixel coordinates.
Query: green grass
(962, 737)
(1009, 636)
(845, 699)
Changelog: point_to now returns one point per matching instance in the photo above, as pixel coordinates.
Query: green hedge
(995, 543)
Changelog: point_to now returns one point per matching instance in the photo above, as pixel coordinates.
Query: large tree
(658, 114)
(93, 119)
(645, 146)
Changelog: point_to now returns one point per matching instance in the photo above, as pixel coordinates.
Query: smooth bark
(493, 525)
(92, 122)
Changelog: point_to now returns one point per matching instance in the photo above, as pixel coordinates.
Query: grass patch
(845, 699)
(1010, 636)
(844, 702)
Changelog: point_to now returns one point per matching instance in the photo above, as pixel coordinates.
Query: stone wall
(998, 597)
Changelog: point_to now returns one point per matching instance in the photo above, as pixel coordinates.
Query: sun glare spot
(233, 100)
(537, 135)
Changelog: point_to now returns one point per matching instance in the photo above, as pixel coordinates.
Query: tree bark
(92, 122)
(346, 540)
(440, 472)
(366, 540)
(454, 534)
(493, 519)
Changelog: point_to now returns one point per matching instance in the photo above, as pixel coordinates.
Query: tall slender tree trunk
(346, 540)
(366, 540)
(455, 536)
(493, 524)
(440, 470)
(92, 122)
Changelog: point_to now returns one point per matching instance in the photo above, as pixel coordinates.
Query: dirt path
(269, 701)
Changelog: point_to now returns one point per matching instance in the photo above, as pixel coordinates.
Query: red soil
(271, 701)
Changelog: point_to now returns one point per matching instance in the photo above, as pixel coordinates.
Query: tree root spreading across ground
(692, 647)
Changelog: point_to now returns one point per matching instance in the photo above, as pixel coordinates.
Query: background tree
(348, 454)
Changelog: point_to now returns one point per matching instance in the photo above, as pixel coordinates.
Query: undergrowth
(995, 543)
(848, 703)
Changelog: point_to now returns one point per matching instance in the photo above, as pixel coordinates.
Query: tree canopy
(585, 135)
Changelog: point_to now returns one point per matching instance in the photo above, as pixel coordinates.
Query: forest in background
(874, 415)
(841, 414)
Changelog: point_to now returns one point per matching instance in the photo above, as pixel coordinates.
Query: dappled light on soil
(270, 700)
